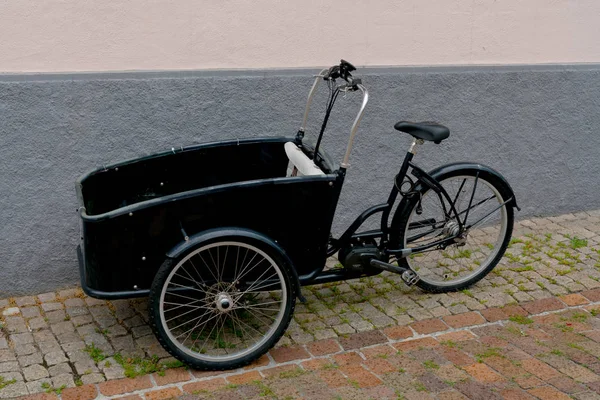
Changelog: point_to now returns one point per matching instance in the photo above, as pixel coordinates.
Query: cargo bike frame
(221, 236)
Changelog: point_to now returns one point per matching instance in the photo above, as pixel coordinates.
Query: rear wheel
(224, 303)
(479, 201)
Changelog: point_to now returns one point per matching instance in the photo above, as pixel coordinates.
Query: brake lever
(350, 86)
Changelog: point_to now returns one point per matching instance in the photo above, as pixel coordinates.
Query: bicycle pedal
(410, 277)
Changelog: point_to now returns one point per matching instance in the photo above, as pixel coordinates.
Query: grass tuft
(4, 383)
(520, 319)
(95, 353)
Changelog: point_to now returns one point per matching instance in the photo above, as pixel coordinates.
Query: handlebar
(331, 74)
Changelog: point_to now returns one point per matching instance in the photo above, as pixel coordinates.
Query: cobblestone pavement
(68, 343)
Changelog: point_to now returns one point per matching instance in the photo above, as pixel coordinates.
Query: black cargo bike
(222, 236)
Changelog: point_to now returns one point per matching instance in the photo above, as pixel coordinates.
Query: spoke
(185, 313)
(263, 304)
(196, 270)
(225, 260)
(256, 308)
(242, 330)
(471, 199)
(248, 336)
(187, 287)
(233, 321)
(250, 270)
(185, 305)
(258, 318)
(210, 319)
(220, 329)
(190, 277)
(256, 289)
(190, 332)
(207, 267)
(422, 224)
(223, 328)
(478, 204)
(422, 235)
(213, 262)
(485, 218)
(199, 333)
(251, 327)
(210, 333)
(458, 192)
(187, 322)
(243, 271)
(257, 280)
(237, 260)
(219, 264)
(243, 263)
(179, 305)
(180, 295)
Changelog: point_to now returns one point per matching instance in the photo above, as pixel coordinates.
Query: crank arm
(409, 276)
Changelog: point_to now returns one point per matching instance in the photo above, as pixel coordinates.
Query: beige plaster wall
(101, 35)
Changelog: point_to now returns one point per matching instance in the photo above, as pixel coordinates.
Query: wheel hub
(452, 228)
(224, 303)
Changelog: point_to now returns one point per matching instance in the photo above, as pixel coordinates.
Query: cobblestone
(15, 325)
(14, 390)
(60, 369)
(55, 357)
(35, 372)
(25, 301)
(7, 355)
(92, 378)
(30, 312)
(47, 307)
(37, 323)
(9, 366)
(35, 358)
(21, 338)
(47, 297)
(24, 349)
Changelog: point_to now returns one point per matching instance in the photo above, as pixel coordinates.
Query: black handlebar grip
(340, 71)
(333, 73)
(347, 66)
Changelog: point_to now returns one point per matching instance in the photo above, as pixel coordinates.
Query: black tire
(439, 270)
(225, 298)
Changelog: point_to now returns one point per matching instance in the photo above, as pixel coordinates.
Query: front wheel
(480, 201)
(224, 303)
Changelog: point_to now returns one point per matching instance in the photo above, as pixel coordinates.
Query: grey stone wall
(536, 125)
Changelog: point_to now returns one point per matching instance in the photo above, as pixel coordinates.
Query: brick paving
(529, 330)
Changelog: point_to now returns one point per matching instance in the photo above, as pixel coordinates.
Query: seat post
(413, 147)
